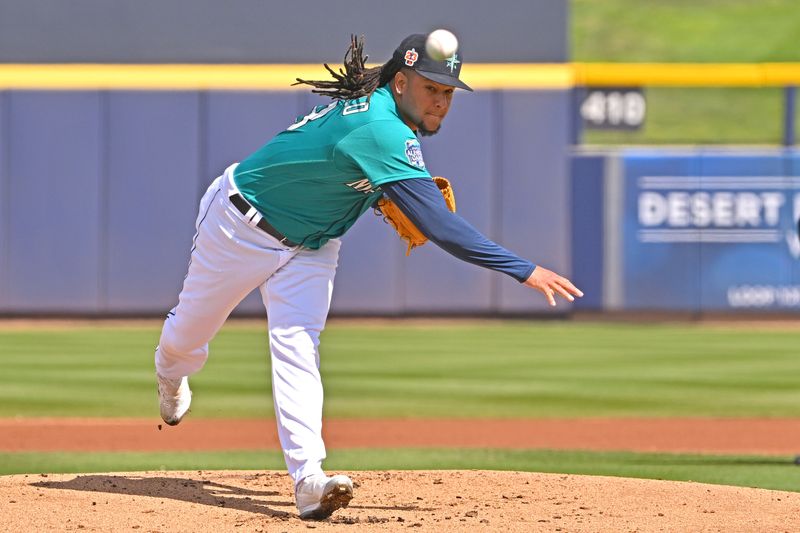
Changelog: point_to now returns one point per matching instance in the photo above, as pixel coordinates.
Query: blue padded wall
(150, 201)
(586, 205)
(99, 192)
(464, 152)
(370, 274)
(534, 185)
(238, 123)
(54, 182)
(4, 199)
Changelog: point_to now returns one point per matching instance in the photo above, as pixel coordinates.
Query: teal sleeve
(384, 151)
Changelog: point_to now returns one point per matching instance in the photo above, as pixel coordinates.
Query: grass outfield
(702, 31)
(467, 369)
(779, 473)
(471, 369)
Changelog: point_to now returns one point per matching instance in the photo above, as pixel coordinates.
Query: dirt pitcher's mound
(388, 501)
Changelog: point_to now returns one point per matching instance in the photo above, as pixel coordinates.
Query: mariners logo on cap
(411, 57)
(452, 62)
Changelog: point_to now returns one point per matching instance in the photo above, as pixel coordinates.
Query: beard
(425, 132)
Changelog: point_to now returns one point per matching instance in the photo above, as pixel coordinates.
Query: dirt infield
(428, 501)
(724, 436)
(431, 501)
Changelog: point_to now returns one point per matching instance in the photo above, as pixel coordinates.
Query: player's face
(422, 103)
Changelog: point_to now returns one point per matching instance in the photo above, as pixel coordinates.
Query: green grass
(696, 31)
(497, 369)
(751, 116)
(777, 473)
(500, 369)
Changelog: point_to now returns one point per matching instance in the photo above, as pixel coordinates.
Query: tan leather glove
(404, 227)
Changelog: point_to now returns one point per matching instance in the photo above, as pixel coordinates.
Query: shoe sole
(337, 497)
(177, 420)
(172, 422)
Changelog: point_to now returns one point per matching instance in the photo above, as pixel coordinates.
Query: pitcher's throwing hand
(549, 283)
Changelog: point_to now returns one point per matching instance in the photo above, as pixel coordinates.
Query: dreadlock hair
(355, 80)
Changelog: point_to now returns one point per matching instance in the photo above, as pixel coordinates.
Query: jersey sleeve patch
(414, 153)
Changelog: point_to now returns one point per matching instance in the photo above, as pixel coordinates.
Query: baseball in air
(441, 44)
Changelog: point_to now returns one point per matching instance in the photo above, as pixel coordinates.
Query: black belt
(244, 207)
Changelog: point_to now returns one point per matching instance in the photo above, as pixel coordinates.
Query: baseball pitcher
(273, 221)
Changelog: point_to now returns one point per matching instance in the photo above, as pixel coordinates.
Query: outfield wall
(99, 191)
(693, 230)
(102, 165)
(115, 116)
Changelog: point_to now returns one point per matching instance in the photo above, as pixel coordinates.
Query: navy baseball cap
(411, 53)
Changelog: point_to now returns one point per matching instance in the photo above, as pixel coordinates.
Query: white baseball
(440, 45)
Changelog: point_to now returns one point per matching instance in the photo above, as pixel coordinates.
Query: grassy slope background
(495, 369)
(700, 31)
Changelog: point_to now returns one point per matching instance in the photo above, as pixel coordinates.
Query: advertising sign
(711, 232)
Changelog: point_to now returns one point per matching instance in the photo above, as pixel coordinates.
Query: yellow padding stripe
(688, 74)
(247, 77)
(518, 76)
(154, 77)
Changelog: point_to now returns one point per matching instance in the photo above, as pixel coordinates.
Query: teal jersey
(313, 180)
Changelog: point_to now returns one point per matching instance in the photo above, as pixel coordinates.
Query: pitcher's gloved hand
(404, 227)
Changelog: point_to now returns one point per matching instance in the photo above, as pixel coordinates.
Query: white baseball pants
(229, 259)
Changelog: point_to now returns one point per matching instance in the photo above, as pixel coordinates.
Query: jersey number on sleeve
(319, 112)
(316, 113)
